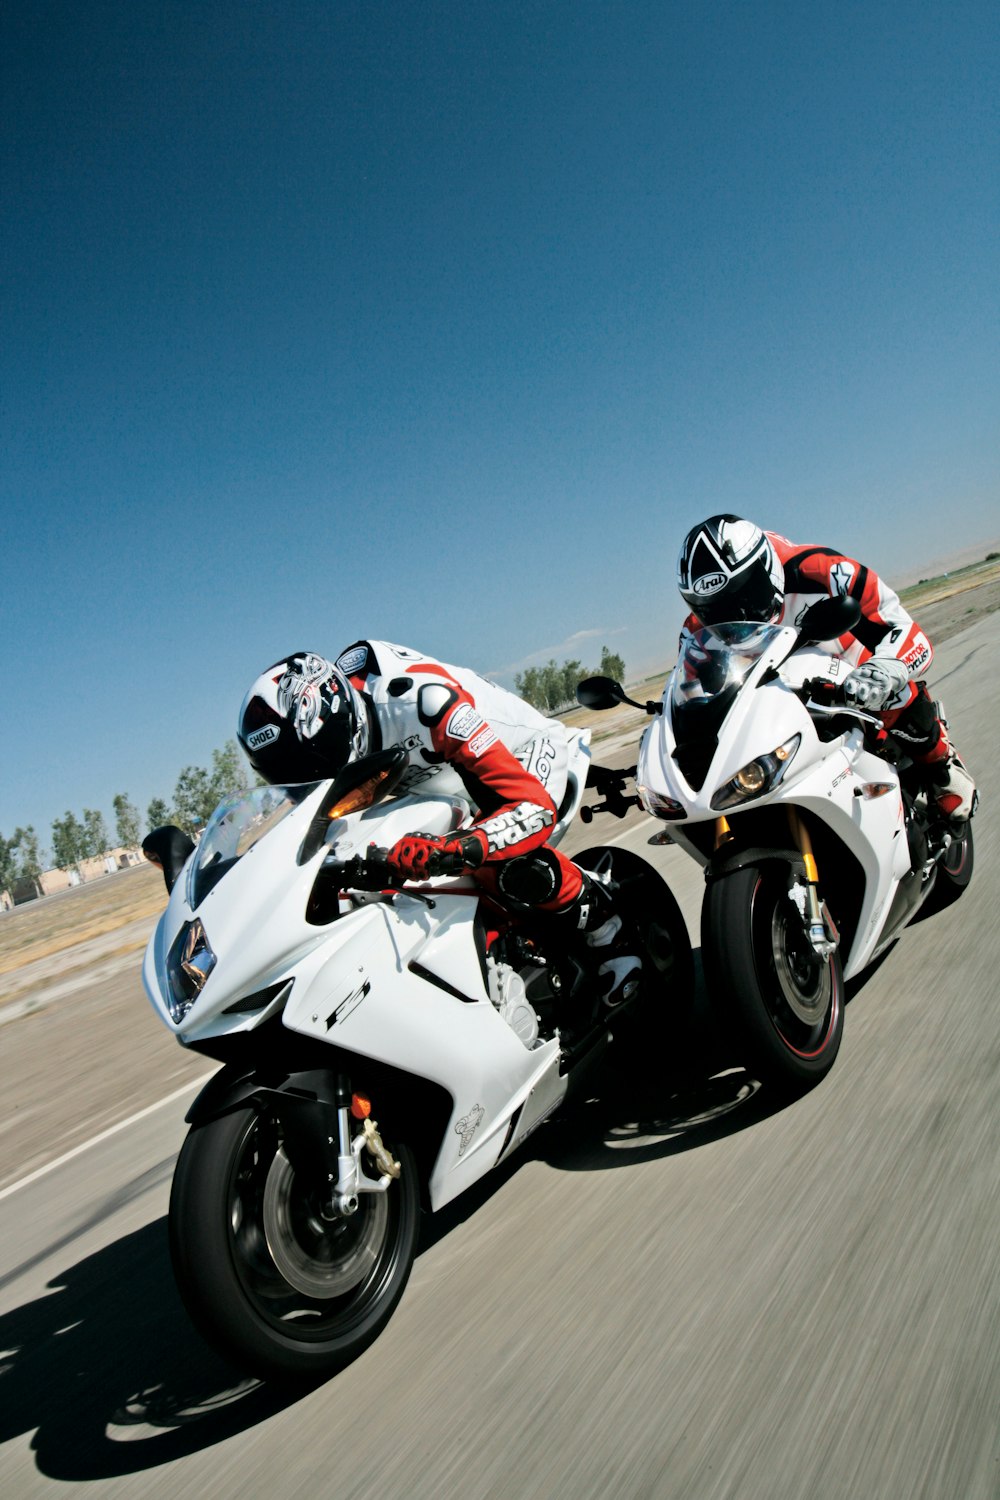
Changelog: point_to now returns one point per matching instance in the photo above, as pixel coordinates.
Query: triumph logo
(262, 737)
(711, 584)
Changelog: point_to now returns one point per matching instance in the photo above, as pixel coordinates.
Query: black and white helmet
(728, 570)
(302, 720)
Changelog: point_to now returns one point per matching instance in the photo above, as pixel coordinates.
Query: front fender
(722, 863)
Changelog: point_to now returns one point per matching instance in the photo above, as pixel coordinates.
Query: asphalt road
(686, 1295)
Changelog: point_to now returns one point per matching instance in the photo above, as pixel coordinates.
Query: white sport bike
(383, 1048)
(817, 851)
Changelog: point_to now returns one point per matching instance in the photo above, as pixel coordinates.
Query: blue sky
(442, 322)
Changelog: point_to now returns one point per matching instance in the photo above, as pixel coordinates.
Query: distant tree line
(75, 839)
(553, 687)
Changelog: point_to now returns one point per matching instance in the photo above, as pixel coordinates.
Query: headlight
(659, 807)
(189, 963)
(757, 776)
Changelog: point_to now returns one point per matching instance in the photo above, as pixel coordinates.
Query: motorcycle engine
(510, 998)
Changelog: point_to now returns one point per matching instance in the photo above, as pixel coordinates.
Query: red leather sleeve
(515, 813)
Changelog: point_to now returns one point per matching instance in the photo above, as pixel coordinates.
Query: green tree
(157, 814)
(29, 855)
(95, 840)
(126, 822)
(194, 800)
(612, 665)
(8, 862)
(572, 673)
(68, 841)
(231, 773)
(529, 685)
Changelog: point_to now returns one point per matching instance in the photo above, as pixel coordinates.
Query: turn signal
(361, 797)
(361, 1106)
(873, 789)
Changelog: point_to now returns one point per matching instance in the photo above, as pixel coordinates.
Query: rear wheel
(272, 1279)
(954, 871)
(784, 1004)
(656, 1029)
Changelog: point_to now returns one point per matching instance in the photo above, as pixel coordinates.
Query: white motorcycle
(384, 1047)
(817, 851)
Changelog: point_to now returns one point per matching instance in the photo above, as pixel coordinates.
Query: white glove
(874, 684)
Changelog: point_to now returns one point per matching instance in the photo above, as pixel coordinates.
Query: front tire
(279, 1289)
(785, 1007)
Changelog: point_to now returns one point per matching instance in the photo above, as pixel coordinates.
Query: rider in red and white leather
(306, 717)
(729, 569)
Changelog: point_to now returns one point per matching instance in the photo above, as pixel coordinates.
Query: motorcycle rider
(729, 569)
(306, 717)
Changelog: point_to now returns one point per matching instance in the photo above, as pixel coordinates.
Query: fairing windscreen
(233, 829)
(712, 668)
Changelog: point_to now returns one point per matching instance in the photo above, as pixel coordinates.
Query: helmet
(728, 570)
(302, 720)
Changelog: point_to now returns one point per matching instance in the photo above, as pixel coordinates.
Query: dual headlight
(757, 776)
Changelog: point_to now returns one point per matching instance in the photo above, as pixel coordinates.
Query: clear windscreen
(234, 828)
(715, 662)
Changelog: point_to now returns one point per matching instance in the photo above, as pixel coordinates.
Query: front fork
(348, 1179)
(820, 928)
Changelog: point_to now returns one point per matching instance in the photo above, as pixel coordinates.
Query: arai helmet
(302, 720)
(728, 570)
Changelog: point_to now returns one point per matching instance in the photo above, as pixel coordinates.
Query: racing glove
(872, 686)
(420, 855)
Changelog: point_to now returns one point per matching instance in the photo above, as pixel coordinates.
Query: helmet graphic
(302, 720)
(728, 570)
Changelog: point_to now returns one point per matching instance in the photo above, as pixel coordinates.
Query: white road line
(104, 1135)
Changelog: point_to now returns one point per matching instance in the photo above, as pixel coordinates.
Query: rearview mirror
(168, 847)
(600, 692)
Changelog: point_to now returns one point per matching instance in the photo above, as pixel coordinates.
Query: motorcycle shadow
(108, 1373)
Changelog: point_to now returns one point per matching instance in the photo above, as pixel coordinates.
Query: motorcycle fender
(722, 865)
(231, 1089)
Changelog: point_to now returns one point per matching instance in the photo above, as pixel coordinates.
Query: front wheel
(274, 1282)
(785, 1006)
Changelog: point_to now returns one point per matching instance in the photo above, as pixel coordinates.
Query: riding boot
(616, 972)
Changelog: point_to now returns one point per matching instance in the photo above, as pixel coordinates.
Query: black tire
(954, 871)
(655, 1029)
(784, 1007)
(241, 1224)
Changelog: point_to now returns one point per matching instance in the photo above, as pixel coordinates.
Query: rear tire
(277, 1288)
(655, 1031)
(785, 1007)
(954, 871)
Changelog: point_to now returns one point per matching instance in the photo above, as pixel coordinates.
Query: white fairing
(391, 978)
(838, 781)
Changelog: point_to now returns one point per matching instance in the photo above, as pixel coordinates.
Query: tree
(29, 856)
(95, 838)
(194, 800)
(68, 841)
(8, 862)
(231, 775)
(612, 665)
(157, 814)
(572, 673)
(126, 822)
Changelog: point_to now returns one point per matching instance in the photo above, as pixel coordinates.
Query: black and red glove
(420, 855)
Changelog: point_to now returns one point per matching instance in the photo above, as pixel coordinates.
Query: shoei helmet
(302, 721)
(728, 570)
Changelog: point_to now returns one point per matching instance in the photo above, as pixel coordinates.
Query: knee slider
(531, 879)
